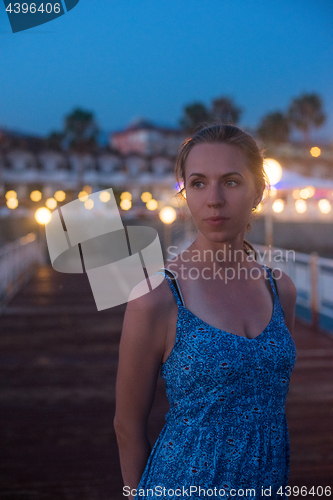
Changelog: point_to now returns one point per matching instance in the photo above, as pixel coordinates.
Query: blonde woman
(219, 328)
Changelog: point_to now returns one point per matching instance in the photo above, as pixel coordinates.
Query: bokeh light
(300, 206)
(152, 204)
(146, 196)
(51, 203)
(125, 196)
(307, 192)
(125, 204)
(36, 195)
(60, 195)
(89, 204)
(87, 189)
(167, 215)
(11, 194)
(12, 203)
(324, 206)
(315, 151)
(273, 170)
(278, 206)
(43, 215)
(83, 196)
(104, 196)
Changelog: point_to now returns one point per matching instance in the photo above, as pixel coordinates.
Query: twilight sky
(125, 59)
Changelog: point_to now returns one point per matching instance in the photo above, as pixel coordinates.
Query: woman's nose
(215, 197)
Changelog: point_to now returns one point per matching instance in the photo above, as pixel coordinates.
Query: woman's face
(219, 183)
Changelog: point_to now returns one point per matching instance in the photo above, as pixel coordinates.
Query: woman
(220, 329)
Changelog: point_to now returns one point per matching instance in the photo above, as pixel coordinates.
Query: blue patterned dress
(226, 427)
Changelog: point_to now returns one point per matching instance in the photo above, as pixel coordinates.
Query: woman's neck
(224, 254)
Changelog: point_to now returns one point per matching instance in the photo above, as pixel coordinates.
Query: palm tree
(305, 113)
(274, 128)
(225, 110)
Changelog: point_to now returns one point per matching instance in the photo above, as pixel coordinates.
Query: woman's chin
(217, 236)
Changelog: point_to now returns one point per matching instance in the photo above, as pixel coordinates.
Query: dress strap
(272, 281)
(172, 281)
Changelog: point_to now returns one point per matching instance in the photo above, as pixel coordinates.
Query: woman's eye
(230, 182)
(195, 183)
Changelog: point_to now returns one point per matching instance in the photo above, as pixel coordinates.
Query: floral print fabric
(226, 427)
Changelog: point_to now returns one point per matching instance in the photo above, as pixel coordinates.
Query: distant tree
(80, 134)
(305, 113)
(194, 115)
(54, 140)
(225, 110)
(274, 128)
(81, 130)
(222, 109)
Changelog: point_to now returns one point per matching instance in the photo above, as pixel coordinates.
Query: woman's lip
(216, 218)
(216, 221)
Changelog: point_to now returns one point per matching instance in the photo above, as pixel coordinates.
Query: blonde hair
(227, 134)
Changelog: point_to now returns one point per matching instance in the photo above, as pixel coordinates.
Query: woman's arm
(287, 295)
(141, 351)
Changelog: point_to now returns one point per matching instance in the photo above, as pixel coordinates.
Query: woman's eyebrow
(224, 175)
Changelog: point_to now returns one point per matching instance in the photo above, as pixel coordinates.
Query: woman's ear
(259, 196)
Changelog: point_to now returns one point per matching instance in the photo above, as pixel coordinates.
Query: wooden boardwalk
(58, 359)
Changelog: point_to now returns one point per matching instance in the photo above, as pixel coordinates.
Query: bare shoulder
(152, 304)
(146, 322)
(286, 288)
(287, 294)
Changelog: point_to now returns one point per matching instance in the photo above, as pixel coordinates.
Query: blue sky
(148, 58)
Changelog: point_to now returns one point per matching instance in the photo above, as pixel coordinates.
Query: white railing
(313, 278)
(18, 261)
